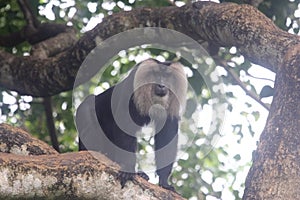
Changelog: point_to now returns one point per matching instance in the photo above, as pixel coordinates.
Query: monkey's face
(162, 85)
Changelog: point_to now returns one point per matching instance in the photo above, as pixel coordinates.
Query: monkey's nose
(160, 90)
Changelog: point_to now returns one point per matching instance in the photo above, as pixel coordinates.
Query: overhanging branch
(225, 24)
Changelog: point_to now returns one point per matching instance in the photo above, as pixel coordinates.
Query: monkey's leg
(165, 151)
(125, 155)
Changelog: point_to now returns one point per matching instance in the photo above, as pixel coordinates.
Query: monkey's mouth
(160, 90)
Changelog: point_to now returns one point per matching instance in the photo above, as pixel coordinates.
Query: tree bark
(275, 173)
(19, 142)
(40, 172)
(225, 24)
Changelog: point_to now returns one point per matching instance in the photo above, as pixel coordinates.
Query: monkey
(153, 91)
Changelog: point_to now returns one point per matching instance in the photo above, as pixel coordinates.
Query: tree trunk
(275, 173)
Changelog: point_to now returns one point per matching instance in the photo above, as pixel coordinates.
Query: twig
(240, 83)
(29, 16)
(260, 78)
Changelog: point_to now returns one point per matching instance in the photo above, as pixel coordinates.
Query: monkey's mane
(149, 73)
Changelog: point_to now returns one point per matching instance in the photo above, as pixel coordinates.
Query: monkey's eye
(160, 90)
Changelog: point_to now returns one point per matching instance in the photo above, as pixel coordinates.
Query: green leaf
(256, 115)
(237, 157)
(266, 91)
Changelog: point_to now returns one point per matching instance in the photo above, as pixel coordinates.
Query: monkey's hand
(123, 177)
(143, 175)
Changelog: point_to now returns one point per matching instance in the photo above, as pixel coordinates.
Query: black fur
(95, 138)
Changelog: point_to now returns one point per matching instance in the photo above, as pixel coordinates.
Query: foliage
(207, 168)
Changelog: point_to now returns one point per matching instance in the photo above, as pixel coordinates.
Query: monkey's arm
(118, 130)
(166, 150)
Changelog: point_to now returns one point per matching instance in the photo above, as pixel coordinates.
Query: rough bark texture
(275, 173)
(17, 141)
(32, 172)
(224, 24)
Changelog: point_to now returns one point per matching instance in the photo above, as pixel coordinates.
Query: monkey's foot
(168, 187)
(143, 175)
(123, 177)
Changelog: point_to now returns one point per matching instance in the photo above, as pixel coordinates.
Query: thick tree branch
(43, 32)
(17, 141)
(54, 45)
(34, 171)
(12, 39)
(220, 24)
(81, 175)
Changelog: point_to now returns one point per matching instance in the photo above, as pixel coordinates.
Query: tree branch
(225, 24)
(34, 31)
(80, 175)
(30, 17)
(260, 78)
(241, 84)
(83, 175)
(50, 123)
(17, 141)
(43, 32)
(54, 45)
